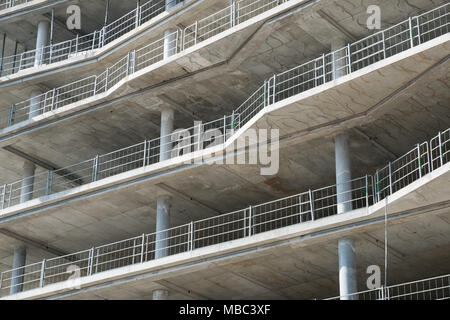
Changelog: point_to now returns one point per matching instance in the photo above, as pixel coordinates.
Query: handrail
(434, 288)
(307, 206)
(279, 87)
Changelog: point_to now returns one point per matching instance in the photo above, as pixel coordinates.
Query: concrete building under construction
(224, 149)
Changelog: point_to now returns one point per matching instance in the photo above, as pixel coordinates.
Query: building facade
(217, 149)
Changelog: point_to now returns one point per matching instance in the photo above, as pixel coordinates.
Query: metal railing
(5, 4)
(82, 45)
(436, 288)
(307, 206)
(277, 88)
(326, 68)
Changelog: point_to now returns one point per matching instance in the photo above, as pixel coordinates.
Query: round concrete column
(20, 254)
(167, 116)
(339, 60)
(343, 173)
(35, 104)
(163, 204)
(26, 191)
(41, 41)
(160, 294)
(347, 269)
(170, 42)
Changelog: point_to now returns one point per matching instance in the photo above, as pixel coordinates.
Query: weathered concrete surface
(281, 263)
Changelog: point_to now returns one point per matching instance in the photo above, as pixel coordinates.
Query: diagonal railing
(435, 288)
(81, 45)
(362, 53)
(279, 87)
(307, 206)
(6, 4)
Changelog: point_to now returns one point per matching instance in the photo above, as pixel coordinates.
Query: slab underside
(295, 263)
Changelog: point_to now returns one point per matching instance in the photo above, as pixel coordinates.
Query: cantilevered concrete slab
(417, 214)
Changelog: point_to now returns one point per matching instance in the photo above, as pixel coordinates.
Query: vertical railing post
(311, 204)
(48, 188)
(91, 260)
(4, 196)
(349, 59)
(232, 13)
(93, 40)
(428, 158)
(411, 32)
(441, 160)
(142, 247)
(274, 90)
(324, 68)
(418, 30)
(419, 160)
(265, 93)
(106, 79)
(192, 236)
(53, 99)
(95, 169)
(250, 220)
(137, 16)
(76, 43)
(224, 129)
(42, 279)
(12, 114)
(384, 44)
(144, 161)
(196, 32)
(367, 191)
(377, 185)
(390, 179)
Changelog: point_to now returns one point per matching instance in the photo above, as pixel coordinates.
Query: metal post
(76, 44)
(142, 247)
(95, 169)
(15, 56)
(377, 185)
(440, 149)
(134, 251)
(384, 45)
(106, 79)
(12, 114)
(367, 191)
(349, 59)
(96, 257)
(91, 260)
(390, 179)
(4, 196)
(250, 218)
(324, 68)
(49, 182)
(411, 32)
(224, 129)
(265, 93)
(196, 32)
(145, 154)
(419, 160)
(3, 53)
(42, 280)
(274, 86)
(311, 204)
(300, 208)
(53, 99)
(137, 14)
(231, 13)
(428, 157)
(192, 236)
(93, 40)
(418, 30)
